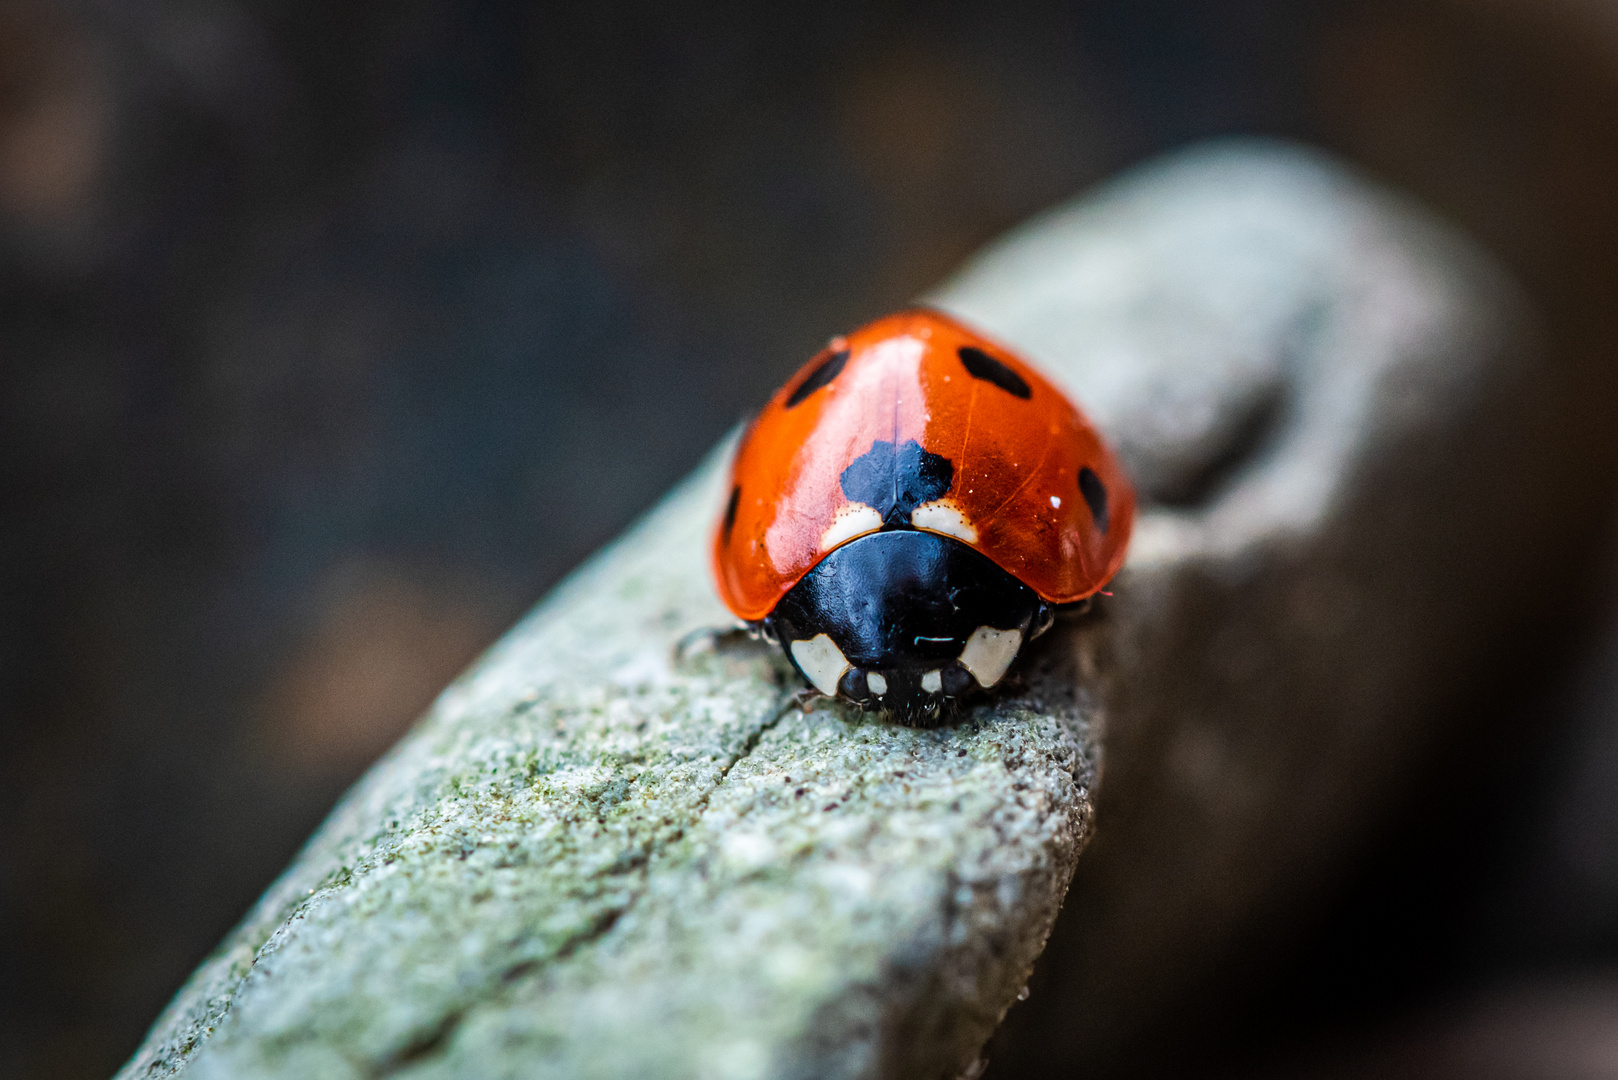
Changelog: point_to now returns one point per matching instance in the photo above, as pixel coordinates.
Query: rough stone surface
(1335, 404)
(604, 854)
(598, 856)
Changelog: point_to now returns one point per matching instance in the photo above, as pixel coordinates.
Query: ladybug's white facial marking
(877, 684)
(932, 682)
(989, 652)
(821, 661)
(853, 520)
(943, 516)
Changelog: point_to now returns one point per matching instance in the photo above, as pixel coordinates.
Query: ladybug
(910, 509)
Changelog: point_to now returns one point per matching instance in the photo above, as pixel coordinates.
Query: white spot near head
(943, 516)
(821, 661)
(877, 683)
(932, 682)
(855, 519)
(989, 652)
(1056, 501)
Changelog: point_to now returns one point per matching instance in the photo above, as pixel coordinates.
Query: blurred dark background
(331, 335)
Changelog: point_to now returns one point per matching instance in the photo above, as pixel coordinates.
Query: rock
(617, 847)
(596, 857)
(1335, 403)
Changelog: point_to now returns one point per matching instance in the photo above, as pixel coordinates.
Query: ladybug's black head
(906, 621)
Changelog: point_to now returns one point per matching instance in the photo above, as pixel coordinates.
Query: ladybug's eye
(980, 365)
(825, 373)
(1095, 496)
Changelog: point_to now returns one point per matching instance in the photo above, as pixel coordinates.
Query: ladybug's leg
(1076, 610)
(1015, 682)
(706, 639)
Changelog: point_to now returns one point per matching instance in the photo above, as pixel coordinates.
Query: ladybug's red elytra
(909, 509)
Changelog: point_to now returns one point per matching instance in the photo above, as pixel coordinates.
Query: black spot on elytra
(730, 510)
(1095, 496)
(825, 373)
(980, 365)
(896, 481)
